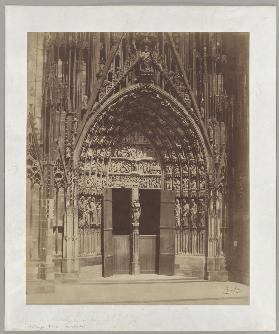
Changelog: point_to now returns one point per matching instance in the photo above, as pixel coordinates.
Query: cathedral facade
(137, 155)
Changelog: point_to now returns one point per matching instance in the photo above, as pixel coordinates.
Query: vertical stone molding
(216, 262)
(136, 212)
(35, 221)
(70, 262)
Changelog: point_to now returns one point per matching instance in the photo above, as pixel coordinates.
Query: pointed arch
(166, 105)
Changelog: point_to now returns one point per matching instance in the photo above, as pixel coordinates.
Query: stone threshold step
(176, 280)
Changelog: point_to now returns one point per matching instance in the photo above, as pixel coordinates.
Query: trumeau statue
(177, 212)
(93, 211)
(136, 212)
(194, 212)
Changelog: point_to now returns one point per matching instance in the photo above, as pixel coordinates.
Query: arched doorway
(142, 139)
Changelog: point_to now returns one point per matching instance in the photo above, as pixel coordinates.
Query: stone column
(216, 264)
(35, 221)
(76, 231)
(46, 267)
(136, 211)
(70, 263)
(59, 218)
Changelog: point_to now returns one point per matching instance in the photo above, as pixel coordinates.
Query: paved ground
(144, 289)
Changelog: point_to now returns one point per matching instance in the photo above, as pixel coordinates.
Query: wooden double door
(155, 242)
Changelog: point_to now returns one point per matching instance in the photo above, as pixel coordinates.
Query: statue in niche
(193, 169)
(68, 152)
(140, 154)
(142, 168)
(176, 170)
(166, 156)
(156, 168)
(202, 184)
(185, 168)
(99, 213)
(84, 102)
(201, 170)
(194, 213)
(115, 152)
(193, 184)
(81, 218)
(75, 126)
(191, 156)
(173, 156)
(145, 167)
(168, 184)
(146, 62)
(86, 213)
(168, 169)
(90, 152)
(154, 183)
(185, 184)
(176, 184)
(202, 213)
(83, 153)
(133, 152)
(177, 213)
(134, 167)
(93, 211)
(210, 132)
(151, 168)
(185, 212)
(200, 159)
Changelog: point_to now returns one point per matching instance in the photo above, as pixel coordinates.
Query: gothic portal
(131, 155)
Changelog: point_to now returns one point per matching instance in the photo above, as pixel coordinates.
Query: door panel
(121, 258)
(150, 211)
(167, 233)
(107, 234)
(148, 253)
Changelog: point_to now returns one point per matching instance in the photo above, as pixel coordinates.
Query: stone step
(135, 280)
(89, 272)
(67, 277)
(184, 271)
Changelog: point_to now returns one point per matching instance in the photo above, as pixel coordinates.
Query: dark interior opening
(150, 212)
(121, 211)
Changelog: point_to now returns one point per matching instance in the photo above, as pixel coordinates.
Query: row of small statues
(189, 161)
(140, 181)
(93, 182)
(182, 156)
(134, 181)
(98, 166)
(190, 212)
(90, 212)
(135, 138)
(87, 153)
(143, 167)
(194, 169)
(94, 166)
(134, 152)
(186, 185)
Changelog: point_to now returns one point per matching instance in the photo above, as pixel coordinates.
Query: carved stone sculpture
(136, 212)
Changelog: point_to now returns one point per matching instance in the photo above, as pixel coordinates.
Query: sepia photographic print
(137, 188)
